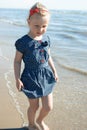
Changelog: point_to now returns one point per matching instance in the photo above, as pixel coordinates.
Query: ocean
(68, 32)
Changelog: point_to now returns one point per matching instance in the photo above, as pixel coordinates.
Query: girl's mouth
(38, 33)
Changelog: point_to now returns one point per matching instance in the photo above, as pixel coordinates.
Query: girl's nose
(40, 29)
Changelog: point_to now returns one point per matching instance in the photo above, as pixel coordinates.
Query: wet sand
(9, 117)
(70, 94)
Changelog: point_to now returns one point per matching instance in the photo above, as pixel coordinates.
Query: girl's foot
(35, 127)
(43, 126)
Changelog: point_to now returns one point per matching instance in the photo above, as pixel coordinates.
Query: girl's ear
(28, 21)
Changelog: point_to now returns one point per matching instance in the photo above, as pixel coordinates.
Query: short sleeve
(20, 46)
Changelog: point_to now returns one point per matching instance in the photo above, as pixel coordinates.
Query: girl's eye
(36, 26)
(44, 26)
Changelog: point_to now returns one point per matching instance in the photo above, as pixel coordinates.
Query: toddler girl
(39, 75)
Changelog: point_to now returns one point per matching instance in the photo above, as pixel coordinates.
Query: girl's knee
(34, 107)
(47, 102)
(37, 107)
(47, 108)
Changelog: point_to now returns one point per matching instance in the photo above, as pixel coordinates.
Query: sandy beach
(70, 94)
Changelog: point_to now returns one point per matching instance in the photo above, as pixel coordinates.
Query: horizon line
(49, 9)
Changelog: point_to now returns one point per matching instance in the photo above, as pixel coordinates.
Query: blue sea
(68, 33)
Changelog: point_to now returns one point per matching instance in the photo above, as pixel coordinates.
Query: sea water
(68, 33)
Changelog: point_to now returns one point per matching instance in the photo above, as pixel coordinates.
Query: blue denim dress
(37, 76)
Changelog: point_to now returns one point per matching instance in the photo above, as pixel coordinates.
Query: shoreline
(9, 116)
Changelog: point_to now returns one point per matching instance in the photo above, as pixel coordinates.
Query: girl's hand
(56, 76)
(19, 84)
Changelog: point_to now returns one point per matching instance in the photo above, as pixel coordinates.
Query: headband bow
(37, 10)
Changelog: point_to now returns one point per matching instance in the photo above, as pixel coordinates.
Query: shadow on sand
(23, 128)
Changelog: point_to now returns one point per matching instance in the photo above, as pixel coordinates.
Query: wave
(73, 69)
(14, 22)
(78, 69)
(66, 36)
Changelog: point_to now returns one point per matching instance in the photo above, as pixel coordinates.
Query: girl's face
(38, 24)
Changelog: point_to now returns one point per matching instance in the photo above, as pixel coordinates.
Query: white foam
(14, 96)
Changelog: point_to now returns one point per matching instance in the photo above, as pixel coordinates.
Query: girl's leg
(33, 106)
(47, 105)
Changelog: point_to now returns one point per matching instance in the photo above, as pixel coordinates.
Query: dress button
(42, 61)
(41, 50)
(40, 41)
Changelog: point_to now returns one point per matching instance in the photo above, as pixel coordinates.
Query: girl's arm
(50, 61)
(17, 69)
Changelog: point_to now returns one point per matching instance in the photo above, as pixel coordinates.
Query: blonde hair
(39, 9)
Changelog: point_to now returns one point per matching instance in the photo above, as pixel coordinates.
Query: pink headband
(37, 10)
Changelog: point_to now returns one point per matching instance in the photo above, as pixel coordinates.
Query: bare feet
(35, 127)
(42, 125)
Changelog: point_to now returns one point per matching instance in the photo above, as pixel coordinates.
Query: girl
(39, 75)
